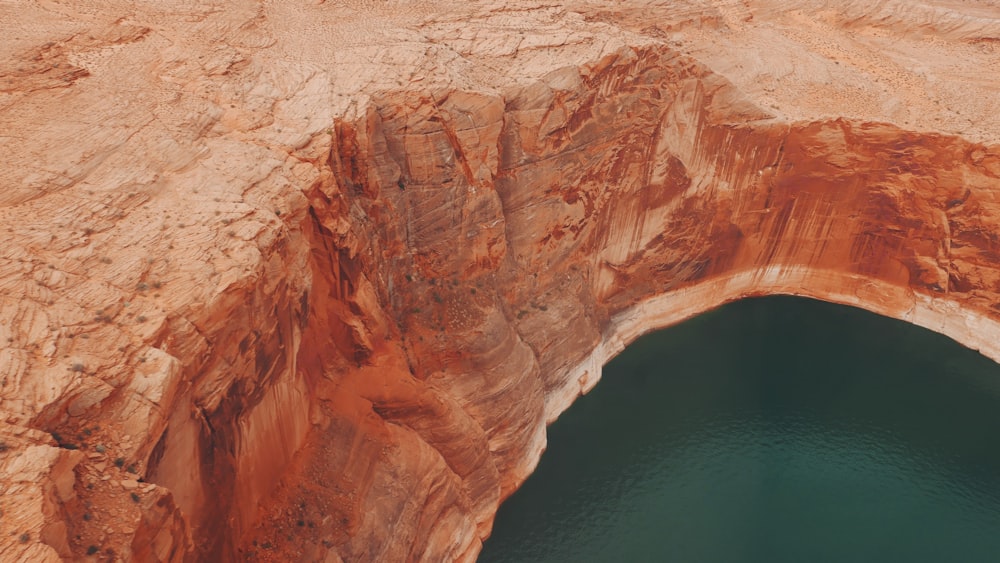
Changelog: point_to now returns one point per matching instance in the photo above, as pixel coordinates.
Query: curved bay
(774, 429)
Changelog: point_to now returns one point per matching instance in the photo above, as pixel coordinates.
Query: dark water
(771, 430)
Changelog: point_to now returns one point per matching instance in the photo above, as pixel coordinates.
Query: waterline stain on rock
(773, 429)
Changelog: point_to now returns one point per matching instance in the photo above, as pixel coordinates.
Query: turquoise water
(771, 430)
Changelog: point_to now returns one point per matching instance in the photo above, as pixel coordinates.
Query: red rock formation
(274, 302)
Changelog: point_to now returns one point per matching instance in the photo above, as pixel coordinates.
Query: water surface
(770, 430)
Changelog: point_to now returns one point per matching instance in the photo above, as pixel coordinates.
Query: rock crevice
(348, 324)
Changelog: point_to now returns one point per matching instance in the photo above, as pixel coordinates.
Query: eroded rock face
(317, 299)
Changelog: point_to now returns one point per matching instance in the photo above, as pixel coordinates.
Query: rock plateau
(305, 281)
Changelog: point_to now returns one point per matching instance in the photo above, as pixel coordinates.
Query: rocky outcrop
(280, 304)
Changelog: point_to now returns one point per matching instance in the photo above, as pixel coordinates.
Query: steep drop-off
(279, 302)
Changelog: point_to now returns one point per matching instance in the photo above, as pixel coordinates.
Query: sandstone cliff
(306, 281)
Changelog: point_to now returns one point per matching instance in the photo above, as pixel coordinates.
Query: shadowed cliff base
(281, 305)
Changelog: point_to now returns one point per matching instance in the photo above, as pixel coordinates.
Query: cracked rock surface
(305, 281)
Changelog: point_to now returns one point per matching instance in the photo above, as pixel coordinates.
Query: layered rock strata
(308, 282)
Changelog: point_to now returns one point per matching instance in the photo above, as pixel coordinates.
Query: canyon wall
(272, 304)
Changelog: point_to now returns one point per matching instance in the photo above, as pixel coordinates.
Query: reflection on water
(776, 429)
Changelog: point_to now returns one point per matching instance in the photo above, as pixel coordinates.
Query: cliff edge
(307, 280)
